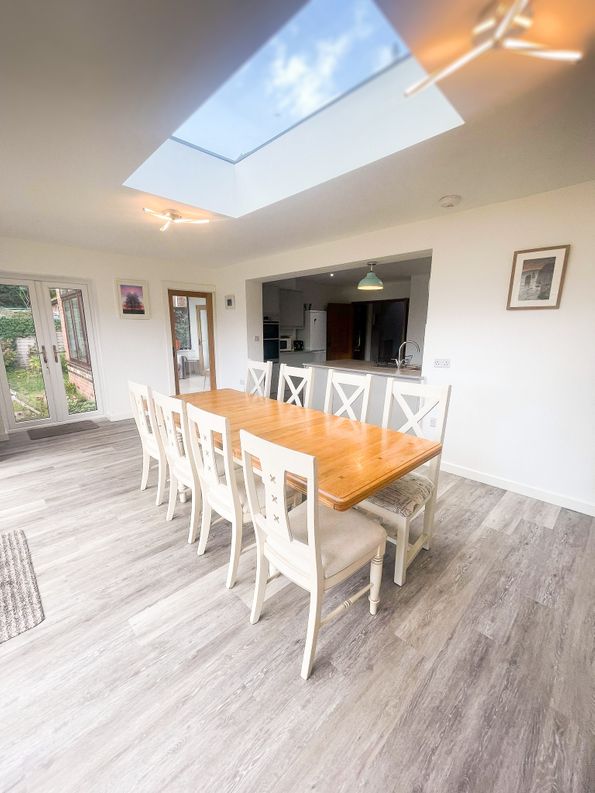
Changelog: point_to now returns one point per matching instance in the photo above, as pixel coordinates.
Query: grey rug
(20, 602)
(61, 429)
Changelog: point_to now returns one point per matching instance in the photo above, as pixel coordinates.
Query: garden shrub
(18, 324)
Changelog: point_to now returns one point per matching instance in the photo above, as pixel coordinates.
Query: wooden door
(207, 380)
(339, 331)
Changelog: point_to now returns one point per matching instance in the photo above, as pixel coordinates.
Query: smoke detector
(448, 201)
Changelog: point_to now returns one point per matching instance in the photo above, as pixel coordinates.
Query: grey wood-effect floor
(147, 676)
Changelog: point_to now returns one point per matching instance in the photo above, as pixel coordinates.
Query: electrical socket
(441, 363)
(433, 422)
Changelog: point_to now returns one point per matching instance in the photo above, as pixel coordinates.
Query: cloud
(301, 83)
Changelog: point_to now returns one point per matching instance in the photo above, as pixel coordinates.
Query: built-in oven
(270, 341)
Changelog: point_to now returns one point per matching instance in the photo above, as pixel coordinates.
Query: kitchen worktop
(370, 367)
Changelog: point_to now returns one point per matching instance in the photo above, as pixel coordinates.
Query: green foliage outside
(9, 353)
(182, 322)
(14, 296)
(17, 325)
(29, 389)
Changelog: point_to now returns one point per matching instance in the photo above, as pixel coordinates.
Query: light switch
(441, 363)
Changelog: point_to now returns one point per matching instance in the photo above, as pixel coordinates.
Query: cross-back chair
(222, 482)
(173, 427)
(143, 410)
(398, 503)
(298, 381)
(258, 378)
(313, 546)
(343, 390)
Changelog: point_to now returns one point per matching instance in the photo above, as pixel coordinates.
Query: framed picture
(537, 278)
(230, 301)
(133, 298)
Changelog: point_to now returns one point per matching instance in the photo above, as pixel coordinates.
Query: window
(74, 321)
(326, 50)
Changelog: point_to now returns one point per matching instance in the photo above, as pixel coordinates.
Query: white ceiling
(388, 270)
(89, 90)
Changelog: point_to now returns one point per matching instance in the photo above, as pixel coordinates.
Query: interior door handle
(55, 353)
(45, 358)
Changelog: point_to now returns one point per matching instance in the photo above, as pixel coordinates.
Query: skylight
(325, 51)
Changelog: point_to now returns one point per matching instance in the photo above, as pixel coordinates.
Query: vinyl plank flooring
(146, 674)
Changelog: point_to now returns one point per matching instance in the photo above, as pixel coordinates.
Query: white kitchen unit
(314, 334)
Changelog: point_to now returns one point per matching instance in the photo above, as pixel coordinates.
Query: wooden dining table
(354, 459)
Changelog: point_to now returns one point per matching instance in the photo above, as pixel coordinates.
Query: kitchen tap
(406, 359)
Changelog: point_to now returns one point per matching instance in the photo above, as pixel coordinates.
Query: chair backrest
(295, 558)
(299, 382)
(173, 428)
(258, 378)
(425, 401)
(143, 411)
(338, 384)
(210, 442)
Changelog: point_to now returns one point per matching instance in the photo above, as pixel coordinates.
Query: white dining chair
(173, 427)
(315, 547)
(339, 402)
(222, 482)
(258, 378)
(298, 381)
(143, 411)
(399, 502)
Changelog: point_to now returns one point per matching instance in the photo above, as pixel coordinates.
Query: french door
(47, 356)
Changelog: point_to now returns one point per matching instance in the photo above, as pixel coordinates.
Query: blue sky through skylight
(328, 48)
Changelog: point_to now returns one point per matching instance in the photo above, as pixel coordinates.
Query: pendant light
(370, 282)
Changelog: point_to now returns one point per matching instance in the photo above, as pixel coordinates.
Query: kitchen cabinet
(291, 308)
(302, 357)
(270, 301)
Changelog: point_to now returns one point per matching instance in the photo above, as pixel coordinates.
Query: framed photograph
(230, 301)
(537, 278)
(133, 298)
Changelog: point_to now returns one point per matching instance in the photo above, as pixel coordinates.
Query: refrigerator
(315, 330)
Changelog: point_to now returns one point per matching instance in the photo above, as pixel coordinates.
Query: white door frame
(39, 287)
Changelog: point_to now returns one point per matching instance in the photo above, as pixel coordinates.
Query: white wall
(128, 349)
(418, 313)
(523, 381)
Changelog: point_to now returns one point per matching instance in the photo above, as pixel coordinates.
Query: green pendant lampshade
(370, 281)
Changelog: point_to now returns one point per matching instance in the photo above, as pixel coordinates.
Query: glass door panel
(70, 350)
(191, 316)
(25, 376)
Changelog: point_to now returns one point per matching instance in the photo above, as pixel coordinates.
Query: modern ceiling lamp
(370, 282)
(500, 26)
(172, 216)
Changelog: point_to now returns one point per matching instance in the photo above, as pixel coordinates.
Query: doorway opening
(47, 356)
(193, 341)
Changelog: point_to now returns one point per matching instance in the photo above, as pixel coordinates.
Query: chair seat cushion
(345, 537)
(405, 495)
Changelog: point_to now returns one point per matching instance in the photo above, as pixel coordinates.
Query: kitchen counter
(369, 367)
(297, 352)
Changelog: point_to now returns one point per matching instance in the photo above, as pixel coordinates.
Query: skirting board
(586, 507)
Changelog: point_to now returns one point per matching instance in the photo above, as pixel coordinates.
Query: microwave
(285, 344)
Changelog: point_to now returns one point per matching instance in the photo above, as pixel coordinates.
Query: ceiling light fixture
(448, 201)
(173, 216)
(500, 26)
(370, 282)
(331, 275)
